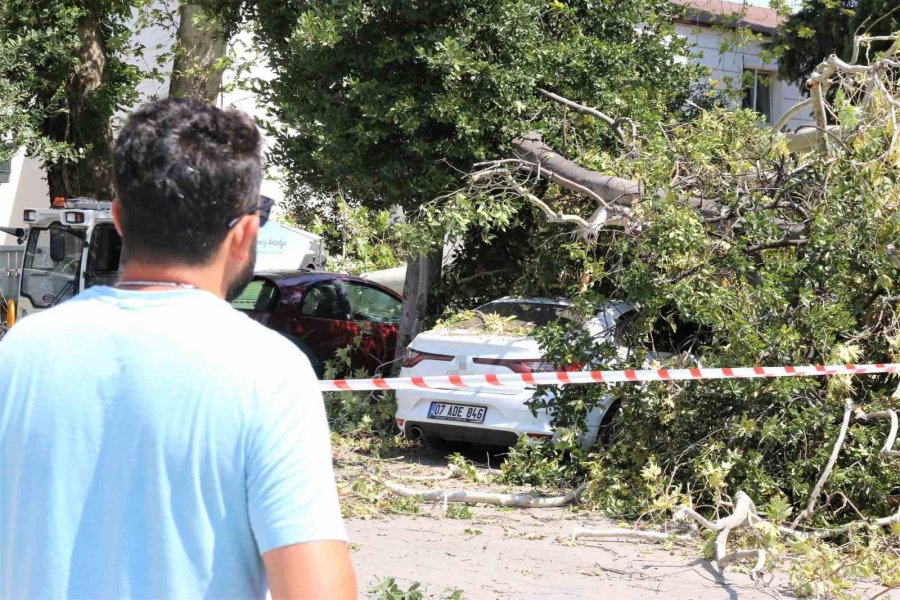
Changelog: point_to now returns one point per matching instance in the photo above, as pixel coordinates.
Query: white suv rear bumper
(507, 417)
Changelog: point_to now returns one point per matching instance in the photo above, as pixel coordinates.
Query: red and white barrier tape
(523, 380)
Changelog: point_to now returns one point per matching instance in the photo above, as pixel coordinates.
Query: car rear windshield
(538, 314)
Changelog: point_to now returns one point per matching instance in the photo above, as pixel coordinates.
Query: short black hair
(183, 170)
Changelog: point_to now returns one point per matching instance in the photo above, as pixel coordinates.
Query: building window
(5, 170)
(758, 92)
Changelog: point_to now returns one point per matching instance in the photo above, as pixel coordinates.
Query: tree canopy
(392, 101)
(823, 27)
(63, 75)
(67, 68)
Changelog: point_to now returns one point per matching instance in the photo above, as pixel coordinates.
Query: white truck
(73, 245)
(282, 247)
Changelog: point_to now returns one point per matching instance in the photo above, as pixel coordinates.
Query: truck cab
(74, 245)
(68, 248)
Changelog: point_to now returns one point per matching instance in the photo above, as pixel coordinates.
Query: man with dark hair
(154, 442)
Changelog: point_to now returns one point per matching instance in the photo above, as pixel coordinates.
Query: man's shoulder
(267, 350)
(261, 336)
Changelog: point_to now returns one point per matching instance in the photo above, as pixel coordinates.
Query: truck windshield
(52, 265)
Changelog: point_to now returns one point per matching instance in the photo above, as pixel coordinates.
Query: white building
(22, 182)
(711, 27)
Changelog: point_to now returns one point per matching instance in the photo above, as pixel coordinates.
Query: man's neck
(144, 275)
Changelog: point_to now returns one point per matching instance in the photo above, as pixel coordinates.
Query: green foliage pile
(475, 321)
(355, 415)
(389, 589)
(755, 300)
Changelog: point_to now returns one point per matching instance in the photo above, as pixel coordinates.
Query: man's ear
(242, 236)
(117, 215)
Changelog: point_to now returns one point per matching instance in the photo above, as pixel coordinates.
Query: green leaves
(392, 102)
(823, 27)
(725, 293)
(51, 105)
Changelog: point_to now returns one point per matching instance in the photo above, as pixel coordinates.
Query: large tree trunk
(83, 125)
(422, 273)
(199, 46)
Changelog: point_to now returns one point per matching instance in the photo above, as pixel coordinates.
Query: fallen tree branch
(819, 83)
(743, 514)
(579, 108)
(480, 274)
(791, 112)
(451, 471)
(813, 497)
(587, 228)
(628, 534)
(779, 244)
(541, 159)
(890, 415)
(587, 110)
(480, 497)
(615, 192)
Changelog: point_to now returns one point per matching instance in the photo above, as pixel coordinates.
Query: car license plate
(457, 412)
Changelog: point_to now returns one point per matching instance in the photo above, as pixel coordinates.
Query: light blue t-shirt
(155, 444)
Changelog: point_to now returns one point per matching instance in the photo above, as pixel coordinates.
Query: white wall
(27, 188)
(728, 68)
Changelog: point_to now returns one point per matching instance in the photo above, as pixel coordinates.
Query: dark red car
(322, 312)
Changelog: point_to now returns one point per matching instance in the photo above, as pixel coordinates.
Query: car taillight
(414, 357)
(528, 366)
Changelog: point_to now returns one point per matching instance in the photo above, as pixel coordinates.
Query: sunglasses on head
(264, 208)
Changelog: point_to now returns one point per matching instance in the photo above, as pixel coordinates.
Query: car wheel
(608, 424)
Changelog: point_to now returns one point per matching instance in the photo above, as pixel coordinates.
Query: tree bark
(200, 43)
(422, 273)
(615, 192)
(84, 126)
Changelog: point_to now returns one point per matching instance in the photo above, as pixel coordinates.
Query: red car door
(376, 314)
(322, 320)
